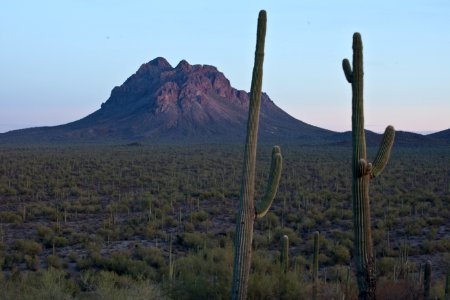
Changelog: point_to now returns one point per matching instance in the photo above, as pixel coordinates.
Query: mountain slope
(442, 136)
(402, 138)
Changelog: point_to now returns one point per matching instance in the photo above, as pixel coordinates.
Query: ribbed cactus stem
(315, 267)
(427, 280)
(362, 172)
(284, 259)
(247, 211)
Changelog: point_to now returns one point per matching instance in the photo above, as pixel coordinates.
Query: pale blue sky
(60, 59)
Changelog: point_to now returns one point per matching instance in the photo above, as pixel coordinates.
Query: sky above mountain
(60, 59)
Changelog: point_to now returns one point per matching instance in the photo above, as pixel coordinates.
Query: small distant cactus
(284, 259)
(248, 210)
(316, 256)
(427, 280)
(362, 173)
(171, 262)
(315, 267)
(447, 286)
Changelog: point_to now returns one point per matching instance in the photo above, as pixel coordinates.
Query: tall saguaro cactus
(248, 210)
(362, 173)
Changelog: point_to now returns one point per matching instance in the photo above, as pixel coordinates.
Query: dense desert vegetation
(85, 221)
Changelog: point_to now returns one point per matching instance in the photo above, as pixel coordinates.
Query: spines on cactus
(248, 211)
(362, 172)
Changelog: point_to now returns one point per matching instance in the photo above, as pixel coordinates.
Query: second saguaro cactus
(248, 210)
(362, 173)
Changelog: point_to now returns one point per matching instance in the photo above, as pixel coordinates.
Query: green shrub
(203, 275)
(293, 236)
(54, 261)
(340, 255)
(50, 284)
(111, 286)
(123, 264)
(152, 256)
(199, 216)
(44, 232)
(27, 247)
(193, 241)
(32, 262)
(385, 266)
(10, 217)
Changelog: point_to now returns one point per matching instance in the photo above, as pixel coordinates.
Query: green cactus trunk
(315, 267)
(427, 280)
(284, 259)
(248, 210)
(362, 172)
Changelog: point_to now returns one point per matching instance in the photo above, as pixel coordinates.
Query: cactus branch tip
(276, 149)
(357, 41)
(262, 14)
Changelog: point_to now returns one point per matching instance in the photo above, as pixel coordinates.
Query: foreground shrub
(55, 284)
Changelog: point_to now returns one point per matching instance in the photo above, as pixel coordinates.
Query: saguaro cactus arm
(383, 152)
(347, 70)
(364, 167)
(263, 205)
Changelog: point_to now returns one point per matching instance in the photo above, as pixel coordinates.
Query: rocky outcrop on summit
(183, 103)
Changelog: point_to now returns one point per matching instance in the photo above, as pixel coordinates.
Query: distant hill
(443, 136)
(190, 103)
(402, 138)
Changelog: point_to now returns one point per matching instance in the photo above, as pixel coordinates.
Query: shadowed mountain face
(160, 103)
(443, 136)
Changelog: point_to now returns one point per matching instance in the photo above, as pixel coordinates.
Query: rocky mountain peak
(153, 67)
(183, 65)
(160, 62)
(186, 102)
